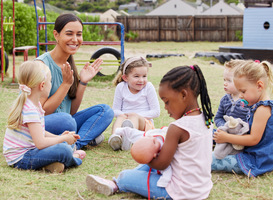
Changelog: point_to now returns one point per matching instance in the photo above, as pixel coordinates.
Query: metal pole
(37, 29)
(13, 32)
(2, 43)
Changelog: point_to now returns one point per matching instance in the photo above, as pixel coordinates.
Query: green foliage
(88, 6)
(239, 35)
(25, 26)
(232, 1)
(91, 32)
(131, 36)
(216, 1)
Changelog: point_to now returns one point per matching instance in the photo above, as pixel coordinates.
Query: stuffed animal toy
(232, 126)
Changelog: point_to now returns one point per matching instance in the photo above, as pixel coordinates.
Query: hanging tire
(106, 50)
(6, 61)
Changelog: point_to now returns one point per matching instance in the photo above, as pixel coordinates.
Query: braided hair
(191, 77)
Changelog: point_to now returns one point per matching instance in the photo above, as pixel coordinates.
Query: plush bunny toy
(232, 126)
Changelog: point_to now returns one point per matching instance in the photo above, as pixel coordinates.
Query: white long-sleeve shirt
(144, 103)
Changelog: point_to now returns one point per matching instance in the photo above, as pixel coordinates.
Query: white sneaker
(98, 140)
(115, 142)
(101, 185)
(126, 144)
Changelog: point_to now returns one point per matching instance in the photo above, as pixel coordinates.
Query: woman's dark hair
(183, 77)
(60, 23)
(64, 19)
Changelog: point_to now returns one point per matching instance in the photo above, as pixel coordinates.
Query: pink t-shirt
(18, 142)
(191, 163)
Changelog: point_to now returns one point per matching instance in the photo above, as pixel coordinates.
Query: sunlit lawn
(101, 160)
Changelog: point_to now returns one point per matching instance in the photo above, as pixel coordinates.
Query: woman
(68, 87)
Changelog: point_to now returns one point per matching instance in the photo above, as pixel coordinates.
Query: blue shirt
(231, 108)
(56, 81)
(258, 159)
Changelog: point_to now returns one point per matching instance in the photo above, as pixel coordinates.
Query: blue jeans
(38, 158)
(227, 164)
(88, 123)
(135, 181)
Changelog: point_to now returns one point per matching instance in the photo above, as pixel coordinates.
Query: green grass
(101, 160)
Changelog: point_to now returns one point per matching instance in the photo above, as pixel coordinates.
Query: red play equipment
(41, 24)
(10, 24)
(4, 58)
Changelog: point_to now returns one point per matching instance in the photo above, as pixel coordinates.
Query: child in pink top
(26, 143)
(187, 147)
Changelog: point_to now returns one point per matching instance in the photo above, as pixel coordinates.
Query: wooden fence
(184, 28)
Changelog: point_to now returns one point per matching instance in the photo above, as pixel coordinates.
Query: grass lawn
(102, 160)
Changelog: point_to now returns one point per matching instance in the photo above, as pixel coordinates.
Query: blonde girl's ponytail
(118, 78)
(268, 68)
(31, 73)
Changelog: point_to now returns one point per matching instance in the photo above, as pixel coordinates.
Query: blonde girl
(252, 80)
(26, 143)
(135, 101)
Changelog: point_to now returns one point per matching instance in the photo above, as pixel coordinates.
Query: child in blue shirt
(231, 104)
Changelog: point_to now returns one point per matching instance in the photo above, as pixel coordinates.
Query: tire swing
(6, 61)
(107, 50)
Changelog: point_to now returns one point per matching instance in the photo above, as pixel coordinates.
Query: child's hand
(69, 138)
(220, 136)
(76, 136)
(68, 132)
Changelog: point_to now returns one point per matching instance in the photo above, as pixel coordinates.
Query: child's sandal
(55, 167)
(81, 154)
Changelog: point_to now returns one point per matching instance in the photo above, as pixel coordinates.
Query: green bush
(239, 35)
(91, 32)
(25, 27)
(131, 36)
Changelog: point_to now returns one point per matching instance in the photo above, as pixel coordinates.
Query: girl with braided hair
(187, 147)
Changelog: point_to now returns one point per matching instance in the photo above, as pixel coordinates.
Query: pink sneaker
(101, 185)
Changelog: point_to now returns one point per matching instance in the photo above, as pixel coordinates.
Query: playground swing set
(41, 24)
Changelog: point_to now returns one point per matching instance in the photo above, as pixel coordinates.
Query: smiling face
(229, 86)
(70, 37)
(174, 101)
(136, 78)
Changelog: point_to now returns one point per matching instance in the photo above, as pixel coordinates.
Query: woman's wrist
(82, 83)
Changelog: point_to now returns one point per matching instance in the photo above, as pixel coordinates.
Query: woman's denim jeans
(88, 123)
(135, 181)
(38, 158)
